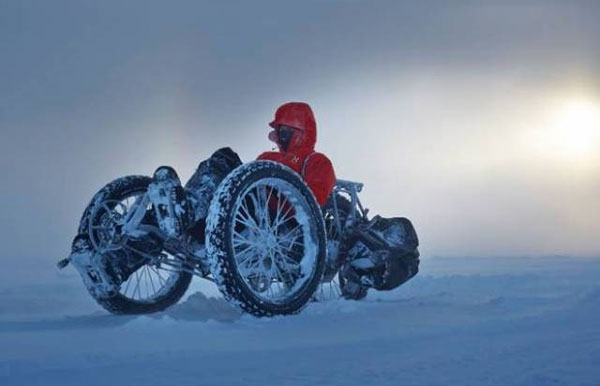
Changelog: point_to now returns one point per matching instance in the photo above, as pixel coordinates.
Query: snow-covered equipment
(382, 253)
(365, 253)
(266, 243)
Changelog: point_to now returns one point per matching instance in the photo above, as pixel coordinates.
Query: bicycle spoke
(282, 219)
(267, 239)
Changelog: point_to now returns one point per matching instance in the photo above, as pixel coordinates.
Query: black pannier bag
(384, 252)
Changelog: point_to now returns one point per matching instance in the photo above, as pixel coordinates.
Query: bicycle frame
(351, 189)
(133, 223)
(133, 226)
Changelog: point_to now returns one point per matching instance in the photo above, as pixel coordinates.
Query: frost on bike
(265, 242)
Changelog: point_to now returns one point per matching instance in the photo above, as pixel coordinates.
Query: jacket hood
(300, 116)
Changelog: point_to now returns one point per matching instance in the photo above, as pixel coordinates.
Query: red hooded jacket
(315, 168)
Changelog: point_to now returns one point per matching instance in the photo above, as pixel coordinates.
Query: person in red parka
(295, 133)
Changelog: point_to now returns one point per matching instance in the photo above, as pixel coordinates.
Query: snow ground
(460, 322)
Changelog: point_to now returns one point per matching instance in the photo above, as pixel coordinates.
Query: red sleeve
(320, 177)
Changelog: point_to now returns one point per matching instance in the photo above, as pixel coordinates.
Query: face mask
(284, 134)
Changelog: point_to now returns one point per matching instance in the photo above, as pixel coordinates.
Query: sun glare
(577, 127)
(568, 132)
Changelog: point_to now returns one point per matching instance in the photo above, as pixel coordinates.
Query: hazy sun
(569, 131)
(577, 127)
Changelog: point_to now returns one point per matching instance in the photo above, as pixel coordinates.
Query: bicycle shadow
(197, 307)
(92, 321)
